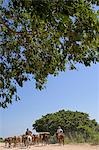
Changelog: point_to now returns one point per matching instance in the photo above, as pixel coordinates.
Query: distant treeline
(77, 126)
(1, 139)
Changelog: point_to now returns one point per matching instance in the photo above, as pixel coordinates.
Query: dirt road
(54, 147)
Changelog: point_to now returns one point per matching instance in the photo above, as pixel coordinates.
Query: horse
(27, 140)
(60, 138)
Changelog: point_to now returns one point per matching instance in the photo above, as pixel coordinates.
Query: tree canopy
(42, 37)
(73, 123)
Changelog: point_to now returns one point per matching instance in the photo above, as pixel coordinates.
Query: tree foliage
(73, 123)
(42, 37)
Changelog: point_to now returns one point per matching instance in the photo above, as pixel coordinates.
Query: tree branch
(13, 31)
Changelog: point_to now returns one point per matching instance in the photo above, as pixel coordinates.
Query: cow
(44, 137)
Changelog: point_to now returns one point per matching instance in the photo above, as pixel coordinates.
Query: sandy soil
(54, 147)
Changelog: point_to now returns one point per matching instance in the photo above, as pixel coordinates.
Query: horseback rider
(28, 132)
(59, 130)
(60, 135)
(27, 137)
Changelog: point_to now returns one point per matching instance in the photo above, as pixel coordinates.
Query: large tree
(42, 37)
(73, 123)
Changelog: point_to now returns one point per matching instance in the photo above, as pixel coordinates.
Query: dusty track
(54, 147)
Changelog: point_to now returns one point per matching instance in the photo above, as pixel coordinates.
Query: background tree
(41, 38)
(73, 124)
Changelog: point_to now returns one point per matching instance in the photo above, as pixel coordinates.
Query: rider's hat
(59, 127)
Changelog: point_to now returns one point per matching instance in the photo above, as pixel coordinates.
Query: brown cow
(17, 140)
(44, 137)
(41, 137)
(13, 141)
(35, 138)
(8, 141)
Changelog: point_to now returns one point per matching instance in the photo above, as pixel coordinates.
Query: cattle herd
(27, 140)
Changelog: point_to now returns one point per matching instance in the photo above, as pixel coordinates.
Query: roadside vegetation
(77, 126)
(1, 139)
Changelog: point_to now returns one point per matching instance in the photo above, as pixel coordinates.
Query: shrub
(95, 139)
(53, 139)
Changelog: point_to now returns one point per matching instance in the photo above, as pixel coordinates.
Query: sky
(70, 90)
